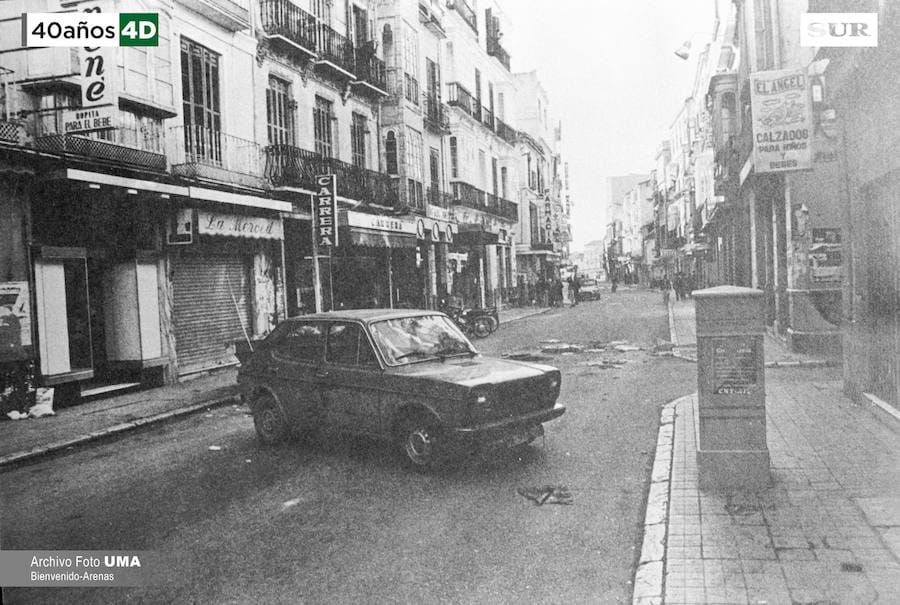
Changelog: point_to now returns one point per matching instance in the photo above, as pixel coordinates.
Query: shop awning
(475, 237)
(376, 239)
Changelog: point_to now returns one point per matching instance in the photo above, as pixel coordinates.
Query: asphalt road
(341, 521)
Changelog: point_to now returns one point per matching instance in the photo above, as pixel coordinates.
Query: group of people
(683, 286)
(547, 292)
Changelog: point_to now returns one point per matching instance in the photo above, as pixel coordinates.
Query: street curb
(648, 577)
(44, 450)
(541, 312)
(673, 337)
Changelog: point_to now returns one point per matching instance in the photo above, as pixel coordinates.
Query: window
(280, 112)
(140, 132)
(358, 131)
(390, 152)
(435, 173)
(454, 159)
(478, 86)
(495, 177)
(414, 166)
(322, 117)
(503, 183)
(300, 342)
(482, 169)
(411, 64)
(348, 345)
(50, 110)
(200, 101)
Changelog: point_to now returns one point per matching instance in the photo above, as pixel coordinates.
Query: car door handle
(321, 373)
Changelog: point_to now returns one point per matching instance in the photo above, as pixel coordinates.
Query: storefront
(435, 237)
(226, 285)
(377, 263)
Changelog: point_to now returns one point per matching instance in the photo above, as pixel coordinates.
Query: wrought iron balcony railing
(498, 52)
(472, 197)
(286, 19)
(462, 98)
(436, 113)
(207, 153)
(487, 117)
(466, 12)
(335, 48)
(370, 68)
(291, 166)
(122, 146)
(506, 132)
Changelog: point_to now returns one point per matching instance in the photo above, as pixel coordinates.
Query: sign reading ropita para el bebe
(325, 210)
(782, 121)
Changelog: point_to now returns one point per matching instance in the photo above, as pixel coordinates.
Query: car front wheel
(270, 420)
(420, 443)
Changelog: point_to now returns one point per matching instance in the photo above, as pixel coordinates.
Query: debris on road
(605, 364)
(562, 348)
(526, 356)
(547, 494)
(626, 348)
(214, 448)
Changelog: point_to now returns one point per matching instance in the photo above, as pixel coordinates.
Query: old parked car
(589, 289)
(408, 376)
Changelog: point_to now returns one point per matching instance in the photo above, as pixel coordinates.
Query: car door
(351, 379)
(294, 361)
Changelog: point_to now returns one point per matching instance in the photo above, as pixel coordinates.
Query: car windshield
(411, 339)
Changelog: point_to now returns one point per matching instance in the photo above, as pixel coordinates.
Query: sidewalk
(22, 440)
(826, 532)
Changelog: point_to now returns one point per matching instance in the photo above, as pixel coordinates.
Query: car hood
(470, 372)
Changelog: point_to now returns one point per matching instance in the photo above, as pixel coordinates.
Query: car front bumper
(501, 430)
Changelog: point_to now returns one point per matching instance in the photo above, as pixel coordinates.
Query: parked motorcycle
(474, 322)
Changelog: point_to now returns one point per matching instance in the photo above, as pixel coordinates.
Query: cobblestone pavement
(827, 531)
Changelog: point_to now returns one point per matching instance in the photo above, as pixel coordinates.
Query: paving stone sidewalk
(826, 532)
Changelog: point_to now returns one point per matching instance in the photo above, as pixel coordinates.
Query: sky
(610, 70)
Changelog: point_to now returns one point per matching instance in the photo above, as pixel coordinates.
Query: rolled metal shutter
(212, 301)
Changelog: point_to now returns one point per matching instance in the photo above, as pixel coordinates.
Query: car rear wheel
(269, 420)
(420, 443)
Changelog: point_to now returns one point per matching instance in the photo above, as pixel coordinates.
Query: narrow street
(341, 521)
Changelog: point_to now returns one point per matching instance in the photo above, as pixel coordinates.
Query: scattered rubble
(562, 348)
(547, 494)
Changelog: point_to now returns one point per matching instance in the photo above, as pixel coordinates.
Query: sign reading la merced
(782, 120)
(324, 210)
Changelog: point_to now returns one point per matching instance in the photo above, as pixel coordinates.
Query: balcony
(212, 155)
(335, 51)
(472, 197)
(465, 11)
(370, 70)
(498, 52)
(487, 118)
(10, 132)
(462, 98)
(436, 114)
(285, 22)
(289, 166)
(233, 15)
(122, 147)
(504, 131)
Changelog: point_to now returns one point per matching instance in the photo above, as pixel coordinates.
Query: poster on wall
(782, 120)
(825, 259)
(15, 321)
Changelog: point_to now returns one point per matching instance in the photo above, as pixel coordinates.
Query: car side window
(347, 345)
(303, 342)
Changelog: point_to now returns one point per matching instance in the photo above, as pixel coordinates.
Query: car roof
(365, 315)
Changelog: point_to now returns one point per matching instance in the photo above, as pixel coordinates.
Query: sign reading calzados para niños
(782, 121)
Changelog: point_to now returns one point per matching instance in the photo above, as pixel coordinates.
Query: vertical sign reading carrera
(325, 210)
(782, 121)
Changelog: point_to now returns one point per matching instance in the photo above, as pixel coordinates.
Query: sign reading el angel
(782, 121)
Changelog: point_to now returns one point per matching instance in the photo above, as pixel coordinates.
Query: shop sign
(782, 121)
(436, 228)
(436, 212)
(254, 227)
(380, 223)
(825, 260)
(324, 210)
(97, 98)
(15, 320)
(88, 120)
